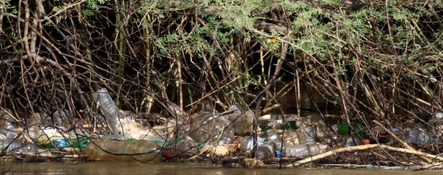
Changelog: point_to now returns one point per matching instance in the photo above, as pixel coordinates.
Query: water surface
(112, 168)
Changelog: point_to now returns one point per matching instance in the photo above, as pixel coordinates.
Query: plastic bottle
(124, 151)
(7, 124)
(9, 133)
(324, 135)
(306, 135)
(304, 150)
(247, 143)
(241, 122)
(273, 137)
(210, 128)
(264, 151)
(9, 144)
(353, 141)
(108, 107)
(180, 147)
(312, 129)
(60, 117)
(6, 120)
(418, 136)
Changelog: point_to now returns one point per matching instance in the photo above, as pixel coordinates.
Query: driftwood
(363, 147)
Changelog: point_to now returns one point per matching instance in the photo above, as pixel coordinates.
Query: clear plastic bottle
(306, 135)
(181, 147)
(247, 143)
(124, 151)
(273, 137)
(59, 118)
(241, 122)
(8, 124)
(418, 136)
(353, 141)
(210, 128)
(10, 144)
(303, 150)
(264, 151)
(108, 107)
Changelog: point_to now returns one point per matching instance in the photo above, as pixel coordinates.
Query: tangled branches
(375, 60)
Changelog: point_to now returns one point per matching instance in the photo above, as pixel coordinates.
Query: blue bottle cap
(278, 153)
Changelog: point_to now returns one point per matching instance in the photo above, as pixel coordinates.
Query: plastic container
(210, 128)
(10, 144)
(324, 135)
(8, 124)
(353, 141)
(273, 137)
(9, 133)
(247, 143)
(108, 107)
(180, 147)
(264, 151)
(241, 122)
(123, 151)
(59, 118)
(418, 136)
(304, 150)
(306, 135)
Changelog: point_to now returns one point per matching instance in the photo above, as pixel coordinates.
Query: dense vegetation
(374, 59)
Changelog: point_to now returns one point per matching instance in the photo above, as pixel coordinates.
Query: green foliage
(94, 4)
(221, 45)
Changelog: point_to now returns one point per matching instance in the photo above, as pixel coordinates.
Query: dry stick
(415, 168)
(401, 141)
(360, 148)
(270, 108)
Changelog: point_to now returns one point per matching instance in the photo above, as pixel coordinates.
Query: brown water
(106, 168)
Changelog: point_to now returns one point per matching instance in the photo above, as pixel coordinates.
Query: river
(113, 168)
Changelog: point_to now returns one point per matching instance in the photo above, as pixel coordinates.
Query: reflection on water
(108, 168)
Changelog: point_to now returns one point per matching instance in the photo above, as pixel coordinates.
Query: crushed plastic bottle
(304, 150)
(418, 136)
(211, 128)
(124, 151)
(241, 120)
(312, 129)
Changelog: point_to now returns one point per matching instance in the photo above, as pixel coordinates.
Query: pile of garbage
(207, 133)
